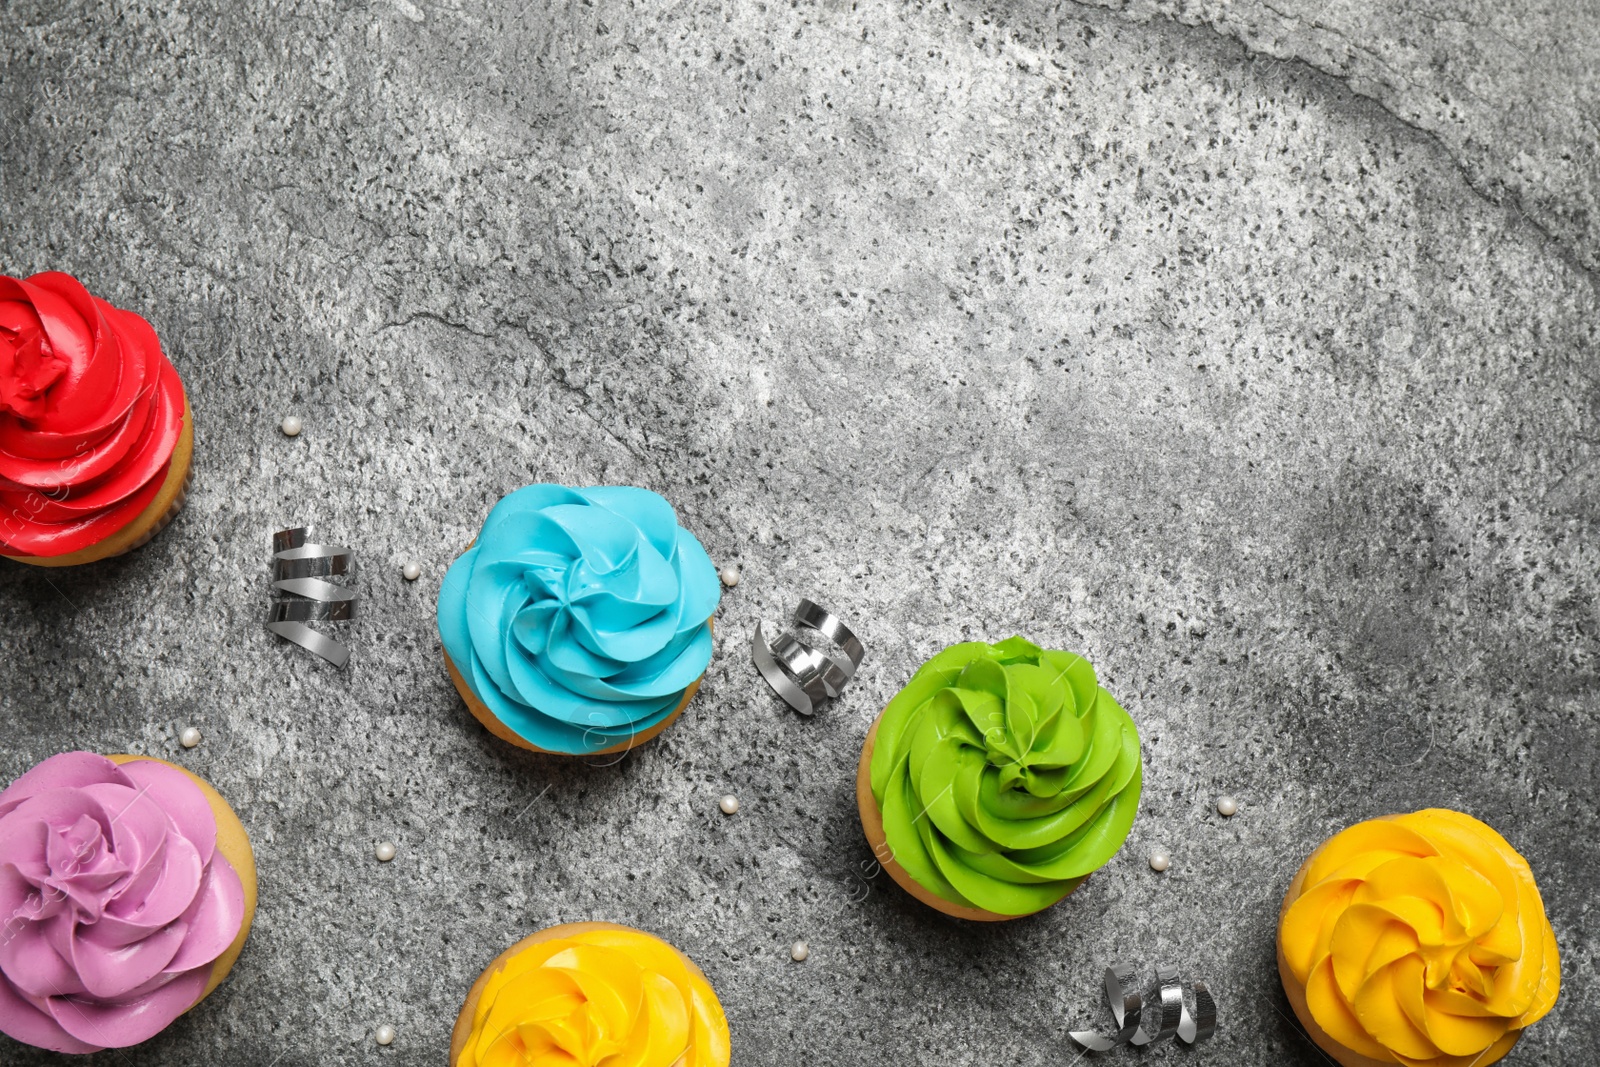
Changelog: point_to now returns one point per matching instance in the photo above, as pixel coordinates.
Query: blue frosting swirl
(580, 616)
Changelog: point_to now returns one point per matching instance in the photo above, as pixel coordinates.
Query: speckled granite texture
(1268, 383)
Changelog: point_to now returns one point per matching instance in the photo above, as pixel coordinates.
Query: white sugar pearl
(729, 804)
(411, 572)
(385, 851)
(799, 951)
(730, 576)
(1227, 806)
(189, 738)
(1160, 861)
(292, 426)
(384, 1035)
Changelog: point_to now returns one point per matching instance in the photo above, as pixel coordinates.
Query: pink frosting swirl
(114, 900)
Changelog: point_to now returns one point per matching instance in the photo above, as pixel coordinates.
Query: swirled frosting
(1005, 774)
(90, 412)
(580, 616)
(607, 996)
(115, 900)
(1422, 940)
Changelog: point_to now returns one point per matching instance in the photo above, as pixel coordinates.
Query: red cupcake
(96, 436)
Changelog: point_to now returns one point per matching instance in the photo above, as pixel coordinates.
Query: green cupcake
(998, 779)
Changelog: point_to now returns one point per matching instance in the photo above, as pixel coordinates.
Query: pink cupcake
(129, 886)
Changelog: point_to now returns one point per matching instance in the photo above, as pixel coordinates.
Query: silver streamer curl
(302, 594)
(803, 674)
(1169, 1016)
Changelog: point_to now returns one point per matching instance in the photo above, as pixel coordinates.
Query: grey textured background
(1248, 349)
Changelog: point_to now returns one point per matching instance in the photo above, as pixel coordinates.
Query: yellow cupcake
(586, 994)
(1417, 939)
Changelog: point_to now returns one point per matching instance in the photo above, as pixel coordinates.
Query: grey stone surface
(1509, 90)
(965, 320)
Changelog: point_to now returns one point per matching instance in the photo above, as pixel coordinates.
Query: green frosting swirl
(1005, 775)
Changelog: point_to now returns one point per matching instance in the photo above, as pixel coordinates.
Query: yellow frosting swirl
(1421, 940)
(607, 996)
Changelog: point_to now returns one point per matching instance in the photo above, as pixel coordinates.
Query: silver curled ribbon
(803, 674)
(301, 593)
(1170, 1014)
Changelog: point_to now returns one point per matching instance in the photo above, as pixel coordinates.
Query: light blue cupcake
(579, 621)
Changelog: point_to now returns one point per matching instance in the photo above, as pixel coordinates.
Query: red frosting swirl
(90, 412)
